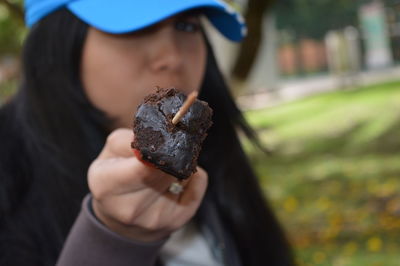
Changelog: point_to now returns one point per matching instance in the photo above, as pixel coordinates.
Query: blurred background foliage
(12, 27)
(333, 177)
(12, 34)
(312, 18)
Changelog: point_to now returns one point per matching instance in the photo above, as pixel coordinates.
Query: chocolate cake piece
(171, 148)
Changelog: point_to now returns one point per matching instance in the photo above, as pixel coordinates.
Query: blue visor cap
(122, 16)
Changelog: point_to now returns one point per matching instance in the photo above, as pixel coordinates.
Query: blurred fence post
(344, 55)
(336, 54)
(353, 54)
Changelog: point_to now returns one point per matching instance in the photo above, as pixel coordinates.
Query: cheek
(107, 78)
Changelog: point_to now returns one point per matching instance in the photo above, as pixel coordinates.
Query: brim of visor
(128, 16)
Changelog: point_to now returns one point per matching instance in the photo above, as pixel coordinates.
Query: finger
(128, 207)
(195, 188)
(116, 176)
(165, 211)
(118, 144)
(125, 175)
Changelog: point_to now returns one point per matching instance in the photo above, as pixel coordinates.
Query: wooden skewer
(185, 107)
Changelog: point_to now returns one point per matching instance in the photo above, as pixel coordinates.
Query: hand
(132, 199)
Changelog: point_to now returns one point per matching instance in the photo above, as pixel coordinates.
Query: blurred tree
(15, 7)
(12, 27)
(256, 9)
(313, 18)
(391, 2)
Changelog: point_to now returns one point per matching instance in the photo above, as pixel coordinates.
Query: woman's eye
(187, 26)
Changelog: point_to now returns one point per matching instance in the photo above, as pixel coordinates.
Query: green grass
(334, 175)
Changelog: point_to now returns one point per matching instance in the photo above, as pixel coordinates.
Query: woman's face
(119, 70)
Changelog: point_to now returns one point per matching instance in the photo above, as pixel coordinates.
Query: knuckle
(177, 222)
(117, 134)
(204, 174)
(98, 193)
(126, 220)
(118, 142)
(151, 226)
(93, 170)
(175, 225)
(154, 223)
(113, 136)
(201, 177)
(128, 216)
(97, 189)
(201, 172)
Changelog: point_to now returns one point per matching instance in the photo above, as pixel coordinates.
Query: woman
(86, 66)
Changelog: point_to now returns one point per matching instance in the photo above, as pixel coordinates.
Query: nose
(166, 54)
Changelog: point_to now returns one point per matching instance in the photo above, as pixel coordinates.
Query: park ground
(333, 178)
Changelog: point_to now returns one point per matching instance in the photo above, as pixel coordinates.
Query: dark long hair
(53, 133)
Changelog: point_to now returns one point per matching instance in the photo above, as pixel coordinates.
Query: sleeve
(92, 243)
